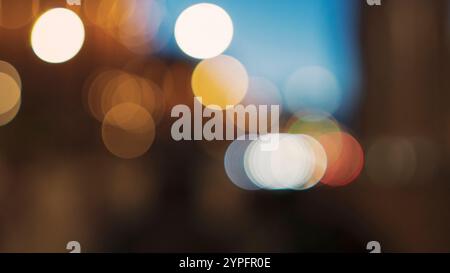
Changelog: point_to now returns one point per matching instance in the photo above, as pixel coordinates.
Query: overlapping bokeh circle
(10, 92)
(314, 150)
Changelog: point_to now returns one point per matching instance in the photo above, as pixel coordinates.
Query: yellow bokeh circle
(220, 82)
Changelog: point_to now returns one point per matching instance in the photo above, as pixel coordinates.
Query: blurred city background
(378, 80)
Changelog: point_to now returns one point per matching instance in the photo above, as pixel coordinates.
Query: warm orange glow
(221, 81)
(128, 131)
(110, 88)
(345, 158)
(9, 93)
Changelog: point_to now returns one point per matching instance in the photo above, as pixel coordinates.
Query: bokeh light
(10, 70)
(141, 32)
(93, 91)
(58, 35)
(235, 164)
(314, 124)
(128, 130)
(221, 82)
(10, 92)
(345, 158)
(297, 163)
(109, 88)
(320, 163)
(262, 91)
(135, 24)
(91, 11)
(121, 89)
(312, 88)
(11, 114)
(126, 87)
(204, 31)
